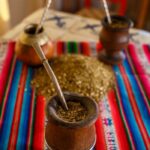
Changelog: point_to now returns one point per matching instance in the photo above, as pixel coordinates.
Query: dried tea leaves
(76, 112)
(118, 24)
(76, 73)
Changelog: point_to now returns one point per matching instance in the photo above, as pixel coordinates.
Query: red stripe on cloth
(99, 47)
(59, 47)
(119, 126)
(31, 118)
(38, 136)
(7, 91)
(17, 110)
(140, 70)
(146, 51)
(86, 48)
(135, 107)
(6, 68)
(123, 7)
(87, 3)
(100, 141)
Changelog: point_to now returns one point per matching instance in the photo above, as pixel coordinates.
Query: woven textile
(21, 110)
(124, 120)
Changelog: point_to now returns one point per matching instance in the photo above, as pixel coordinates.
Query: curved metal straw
(43, 16)
(51, 74)
(107, 11)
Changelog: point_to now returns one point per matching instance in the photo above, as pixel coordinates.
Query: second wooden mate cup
(114, 38)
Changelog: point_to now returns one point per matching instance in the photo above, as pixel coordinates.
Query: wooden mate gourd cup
(24, 49)
(65, 135)
(114, 38)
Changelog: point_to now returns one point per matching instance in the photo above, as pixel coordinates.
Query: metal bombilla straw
(51, 74)
(43, 16)
(107, 12)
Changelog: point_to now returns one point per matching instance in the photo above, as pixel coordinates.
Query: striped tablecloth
(124, 120)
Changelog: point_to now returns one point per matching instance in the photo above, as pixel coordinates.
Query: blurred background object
(13, 12)
(4, 16)
(137, 10)
(19, 9)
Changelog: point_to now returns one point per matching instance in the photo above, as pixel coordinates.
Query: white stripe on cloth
(3, 50)
(108, 125)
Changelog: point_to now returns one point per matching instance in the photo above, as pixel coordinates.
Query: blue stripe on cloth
(137, 137)
(138, 97)
(10, 105)
(23, 127)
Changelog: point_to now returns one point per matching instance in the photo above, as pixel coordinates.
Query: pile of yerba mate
(76, 73)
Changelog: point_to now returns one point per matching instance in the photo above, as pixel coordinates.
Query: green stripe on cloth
(72, 47)
(33, 121)
(7, 84)
(123, 119)
(5, 130)
(139, 82)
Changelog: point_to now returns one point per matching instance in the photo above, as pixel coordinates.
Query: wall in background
(147, 25)
(134, 8)
(19, 9)
(4, 16)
